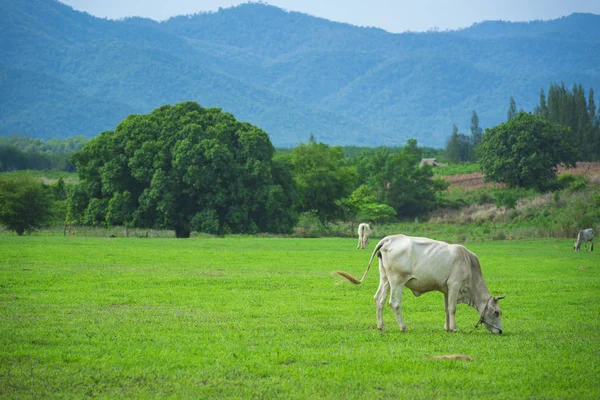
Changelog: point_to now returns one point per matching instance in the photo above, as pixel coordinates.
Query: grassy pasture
(265, 318)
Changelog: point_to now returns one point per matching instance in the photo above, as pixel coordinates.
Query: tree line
(569, 108)
(19, 152)
(188, 168)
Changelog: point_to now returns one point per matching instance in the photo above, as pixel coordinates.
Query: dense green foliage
(564, 107)
(264, 318)
(18, 152)
(570, 108)
(25, 204)
(53, 146)
(66, 73)
(391, 183)
(402, 184)
(185, 168)
(460, 148)
(525, 151)
(321, 179)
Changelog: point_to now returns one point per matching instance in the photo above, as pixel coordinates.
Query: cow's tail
(353, 279)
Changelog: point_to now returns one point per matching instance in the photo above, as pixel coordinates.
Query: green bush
(25, 204)
(507, 199)
(309, 225)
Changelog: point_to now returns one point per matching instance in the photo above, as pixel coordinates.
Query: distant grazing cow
(425, 265)
(364, 230)
(584, 236)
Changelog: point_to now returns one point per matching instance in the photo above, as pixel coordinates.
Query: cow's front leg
(447, 323)
(396, 304)
(450, 301)
(381, 296)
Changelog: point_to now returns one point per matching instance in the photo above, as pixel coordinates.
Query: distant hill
(66, 73)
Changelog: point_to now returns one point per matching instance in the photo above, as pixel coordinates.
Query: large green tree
(525, 151)
(182, 167)
(412, 189)
(321, 179)
(25, 204)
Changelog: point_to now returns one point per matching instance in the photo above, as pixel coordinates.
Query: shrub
(25, 205)
(507, 199)
(309, 225)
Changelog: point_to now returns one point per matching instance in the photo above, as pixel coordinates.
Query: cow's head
(492, 316)
(576, 246)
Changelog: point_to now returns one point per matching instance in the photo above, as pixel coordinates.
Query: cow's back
(424, 264)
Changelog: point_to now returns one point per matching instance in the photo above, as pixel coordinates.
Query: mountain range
(65, 73)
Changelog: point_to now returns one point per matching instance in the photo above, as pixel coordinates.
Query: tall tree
(512, 109)
(459, 147)
(476, 131)
(541, 110)
(453, 146)
(592, 108)
(582, 123)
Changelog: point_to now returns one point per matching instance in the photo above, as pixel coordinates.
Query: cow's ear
(499, 297)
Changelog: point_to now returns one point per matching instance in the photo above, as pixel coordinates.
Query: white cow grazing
(424, 265)
(364, 230)
(584, 236)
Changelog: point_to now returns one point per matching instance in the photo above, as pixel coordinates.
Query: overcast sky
(391, 15)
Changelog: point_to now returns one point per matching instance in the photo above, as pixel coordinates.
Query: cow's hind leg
(381, 295)
(397, 289)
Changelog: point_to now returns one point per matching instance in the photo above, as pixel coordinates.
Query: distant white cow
(584, 236)
(364, 230)
(425, 265)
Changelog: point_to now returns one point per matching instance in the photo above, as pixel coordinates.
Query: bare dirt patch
(453, 357)
(474, 180)
(471, 181)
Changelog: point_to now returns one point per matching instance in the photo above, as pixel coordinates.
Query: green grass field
(265, 318)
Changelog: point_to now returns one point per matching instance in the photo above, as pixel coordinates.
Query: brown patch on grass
(584, 267)
(453, 357)
(581, 168)
(471, 181)
(474, 180)
(212, 273)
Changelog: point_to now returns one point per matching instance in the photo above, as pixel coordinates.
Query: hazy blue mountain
(65, 73)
